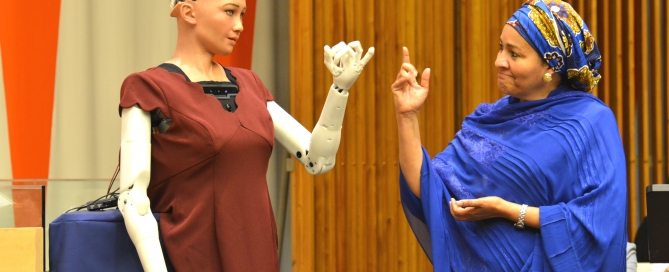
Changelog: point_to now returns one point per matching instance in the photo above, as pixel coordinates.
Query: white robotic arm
(133, 201)
(317, 150)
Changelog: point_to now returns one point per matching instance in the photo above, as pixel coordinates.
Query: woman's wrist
(408, 115)
(510, 211)
(516, 213)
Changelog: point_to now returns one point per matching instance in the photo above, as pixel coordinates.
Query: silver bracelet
(520, 224)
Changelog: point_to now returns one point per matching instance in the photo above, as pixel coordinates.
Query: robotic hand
(346, 62)
(317, 150)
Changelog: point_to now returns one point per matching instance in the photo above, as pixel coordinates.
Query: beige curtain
(6, 211)
(100, 43)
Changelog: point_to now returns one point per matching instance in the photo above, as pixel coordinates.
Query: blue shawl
(562, 154)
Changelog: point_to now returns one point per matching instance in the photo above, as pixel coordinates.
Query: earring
(548, 77)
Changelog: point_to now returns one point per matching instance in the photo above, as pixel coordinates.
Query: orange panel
(29, 37)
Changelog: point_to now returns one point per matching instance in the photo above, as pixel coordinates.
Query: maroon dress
(208, 171)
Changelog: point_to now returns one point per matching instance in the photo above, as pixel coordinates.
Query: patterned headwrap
(561, 37)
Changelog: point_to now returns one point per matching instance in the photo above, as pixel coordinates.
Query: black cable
(100, 203)
(116, 172)
(109, 200)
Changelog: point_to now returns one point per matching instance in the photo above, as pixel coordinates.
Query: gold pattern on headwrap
(584, 76)
(567, 14)
(568, 43)
(589, 42)
(545, 25)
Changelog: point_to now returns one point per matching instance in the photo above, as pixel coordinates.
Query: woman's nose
(500, 61)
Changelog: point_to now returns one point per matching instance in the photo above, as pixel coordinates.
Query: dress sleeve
(578, 232)
(264, 92)
(426, 215)
(142, 92)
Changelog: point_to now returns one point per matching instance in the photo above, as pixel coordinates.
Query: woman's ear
(552, 77)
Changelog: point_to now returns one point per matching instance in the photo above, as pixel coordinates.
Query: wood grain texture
(351, 219)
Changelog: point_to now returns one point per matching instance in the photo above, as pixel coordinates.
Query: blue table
(91, 241)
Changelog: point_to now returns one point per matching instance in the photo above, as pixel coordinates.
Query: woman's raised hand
(345, 62)
(409, 96)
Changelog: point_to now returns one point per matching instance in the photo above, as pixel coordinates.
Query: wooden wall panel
(631, 121)
(658, 83)
(387, 239)
(302, 184)
(632, 36)
(351, 219)
(665, 86)
(643, 83)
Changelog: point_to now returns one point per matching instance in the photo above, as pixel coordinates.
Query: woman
(533, 182)
(196, 140)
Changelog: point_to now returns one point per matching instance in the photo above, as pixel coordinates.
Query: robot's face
(221, 24)
(217, 23)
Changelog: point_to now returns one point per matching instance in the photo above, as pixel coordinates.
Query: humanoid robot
(315, 150)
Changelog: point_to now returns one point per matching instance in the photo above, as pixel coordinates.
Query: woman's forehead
(511, 38)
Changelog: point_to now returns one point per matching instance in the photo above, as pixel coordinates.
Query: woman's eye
(514, 55)
(230, 12)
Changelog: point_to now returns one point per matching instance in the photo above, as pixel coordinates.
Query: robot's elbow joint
(313, 168)
(299, 154)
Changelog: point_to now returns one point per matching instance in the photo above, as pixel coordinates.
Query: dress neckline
(171, 67)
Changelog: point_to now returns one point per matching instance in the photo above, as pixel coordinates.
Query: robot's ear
(181, 8)
(173, 5)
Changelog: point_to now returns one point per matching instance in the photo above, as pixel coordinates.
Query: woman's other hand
(409, 96)
(478, 209)
(345, 62)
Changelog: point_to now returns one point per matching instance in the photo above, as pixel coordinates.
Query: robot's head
(173, 4)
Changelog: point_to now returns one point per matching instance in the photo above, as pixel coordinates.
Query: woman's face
(219, 24)
(520, 70)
